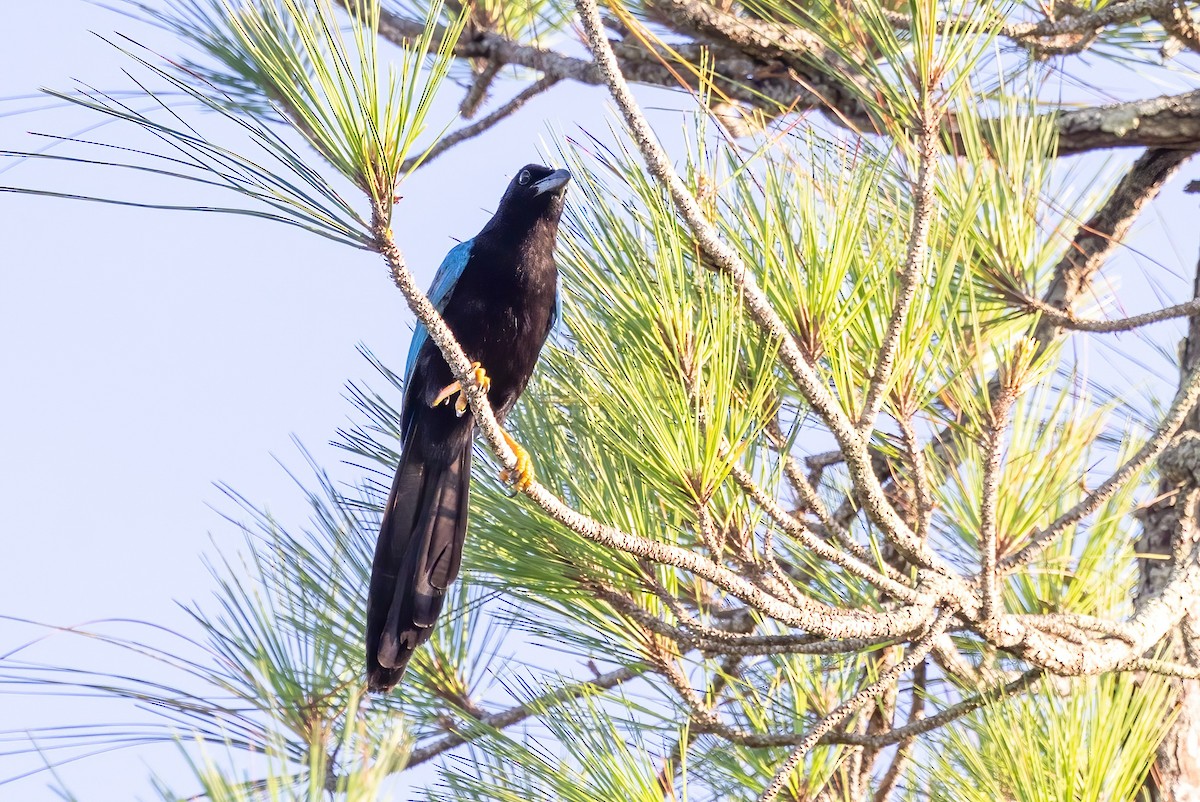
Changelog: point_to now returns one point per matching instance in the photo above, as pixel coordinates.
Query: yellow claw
(481, 379)
(522, 475)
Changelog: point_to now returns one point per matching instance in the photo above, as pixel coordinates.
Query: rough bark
(1175, 776)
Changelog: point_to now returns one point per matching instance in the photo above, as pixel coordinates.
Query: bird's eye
(523, 178)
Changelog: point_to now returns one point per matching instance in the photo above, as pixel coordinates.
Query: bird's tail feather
(417, 557)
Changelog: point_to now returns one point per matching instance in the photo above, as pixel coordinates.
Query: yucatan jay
(498, 293)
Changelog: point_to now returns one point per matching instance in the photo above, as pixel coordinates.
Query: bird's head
(536, 194)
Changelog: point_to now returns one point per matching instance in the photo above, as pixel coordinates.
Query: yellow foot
(522, 475)
(460, 405)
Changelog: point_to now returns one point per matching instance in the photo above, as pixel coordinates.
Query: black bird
(498, 293)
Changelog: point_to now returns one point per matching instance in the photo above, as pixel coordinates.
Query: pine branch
(928, 122)
(801, 533)
(1185, 400)
(727, 261)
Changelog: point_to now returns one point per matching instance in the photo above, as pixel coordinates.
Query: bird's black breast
(500, 312)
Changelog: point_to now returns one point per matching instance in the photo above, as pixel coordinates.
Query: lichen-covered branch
(914, 260)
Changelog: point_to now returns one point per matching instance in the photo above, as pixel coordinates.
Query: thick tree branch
(1154, 618)
(1178, 21)
(1168, 121)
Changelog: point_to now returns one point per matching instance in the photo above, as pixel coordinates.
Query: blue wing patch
(556, 314)
(440, 290)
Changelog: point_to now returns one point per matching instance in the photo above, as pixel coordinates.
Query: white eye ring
(523, 178)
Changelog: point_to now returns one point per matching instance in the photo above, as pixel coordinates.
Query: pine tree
(828, 503)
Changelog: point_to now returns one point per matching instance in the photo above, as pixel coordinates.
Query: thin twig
(941, 718)
(1189, 392)
(916, 712)
(811, 500)
(922, 487)
(1068, 321)
(708, 530)
(891, 737)
(819, 462)
(1070, 33)
(478, 127)
(1163, 667)
(518, 713)
(672, 763)
(796, 529)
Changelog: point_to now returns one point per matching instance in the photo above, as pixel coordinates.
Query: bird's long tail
(417, 556)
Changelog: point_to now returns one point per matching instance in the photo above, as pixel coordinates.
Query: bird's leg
(460, 406)
(522, 475)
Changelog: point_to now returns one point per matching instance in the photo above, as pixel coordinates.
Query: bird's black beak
(552, 183)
